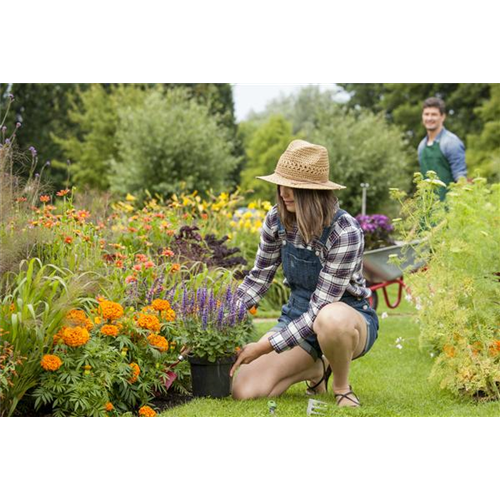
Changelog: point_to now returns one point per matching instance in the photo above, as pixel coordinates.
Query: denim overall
(302, 267)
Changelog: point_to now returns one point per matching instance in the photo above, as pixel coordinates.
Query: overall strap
(326, 232)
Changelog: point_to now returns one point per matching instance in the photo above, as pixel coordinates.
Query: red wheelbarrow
(380, 273)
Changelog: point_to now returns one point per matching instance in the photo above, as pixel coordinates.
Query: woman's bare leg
(342, 334)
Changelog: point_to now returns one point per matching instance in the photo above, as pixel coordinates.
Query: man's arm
(454, 151)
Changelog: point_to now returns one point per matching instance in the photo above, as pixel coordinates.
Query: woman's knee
(332, 325)
(245, 386)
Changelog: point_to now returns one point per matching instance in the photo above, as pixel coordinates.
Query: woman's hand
(251, 352)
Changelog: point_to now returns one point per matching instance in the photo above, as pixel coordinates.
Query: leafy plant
(457, 295)
(212, 325)
(377, 230)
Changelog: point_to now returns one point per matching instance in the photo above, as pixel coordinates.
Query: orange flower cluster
(110, 330)
(110, 310)
(175, 268)
(158, 341)
(51, 362)
(168, 315)
(135, 372)
(449, 350)
(72, 336)
(160, 305)
(146, 411)
(77, 317)
(149, 322)
(109, 406)
(495, 348)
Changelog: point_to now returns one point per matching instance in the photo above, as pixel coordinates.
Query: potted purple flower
(377, 229)
(213, 326)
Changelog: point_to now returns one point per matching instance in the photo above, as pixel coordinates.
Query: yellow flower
(266, 206)
(252, 206)
(129, 197)
(51, 362)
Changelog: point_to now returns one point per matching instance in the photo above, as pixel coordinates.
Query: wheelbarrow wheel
(373, 300)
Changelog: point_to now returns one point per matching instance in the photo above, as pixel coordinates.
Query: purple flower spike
(32, 151)
(7, 142)
(220, 316)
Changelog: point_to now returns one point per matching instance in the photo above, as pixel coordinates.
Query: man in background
(441, 150)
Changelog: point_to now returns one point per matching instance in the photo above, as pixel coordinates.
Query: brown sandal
(327, 372)
(346, 396)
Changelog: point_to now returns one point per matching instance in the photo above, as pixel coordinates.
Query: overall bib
(301, 267)
(433, 159)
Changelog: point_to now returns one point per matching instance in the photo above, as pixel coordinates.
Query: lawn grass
(389, 382)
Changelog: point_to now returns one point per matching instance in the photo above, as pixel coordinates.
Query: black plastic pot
(211, 378)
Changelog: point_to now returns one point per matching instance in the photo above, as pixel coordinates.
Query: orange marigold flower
(148, 264)
(168, 315)
(495, 348)
(449, 350)
(51, 362)
(63, 192)
(146, 411)
(110, 330)
(77, 317)
(135, 372)
(109, 406)
(68, 240)
(253, 310)
(75, 337)
(175, 268)
(170, 232)
(149, 322)
(58, 337)
(160, 305)
(44, 198)
(158, 341)
(110, 310)
(130, 279)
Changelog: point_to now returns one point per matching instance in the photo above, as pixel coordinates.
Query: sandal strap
(346, 396)
(321, 380)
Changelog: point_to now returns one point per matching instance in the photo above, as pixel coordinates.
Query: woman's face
(286, 194)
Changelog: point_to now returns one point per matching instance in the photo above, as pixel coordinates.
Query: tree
(483, 153)
(265, 144)
(401, 104)
(170, 143)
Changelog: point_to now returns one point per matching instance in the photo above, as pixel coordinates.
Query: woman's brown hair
(314, 210)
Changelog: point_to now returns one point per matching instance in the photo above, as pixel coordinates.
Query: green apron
(433, 159)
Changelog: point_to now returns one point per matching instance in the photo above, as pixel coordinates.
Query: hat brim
(283, 181)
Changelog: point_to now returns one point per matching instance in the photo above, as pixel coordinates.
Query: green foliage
(483, 153)
(401, 103)
(168, 142)
(37, 300)
(73, 390)
(94, 114)
(363, 148)
(458, 293)
(42, 108)
(265, 146)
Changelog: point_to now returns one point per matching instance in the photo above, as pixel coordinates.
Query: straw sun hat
(303, 166)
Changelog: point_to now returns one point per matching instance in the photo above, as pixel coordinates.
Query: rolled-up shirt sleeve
(342, 261)
(454, 151)
(267, 261)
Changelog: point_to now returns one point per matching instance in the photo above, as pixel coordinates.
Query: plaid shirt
(342, 271)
